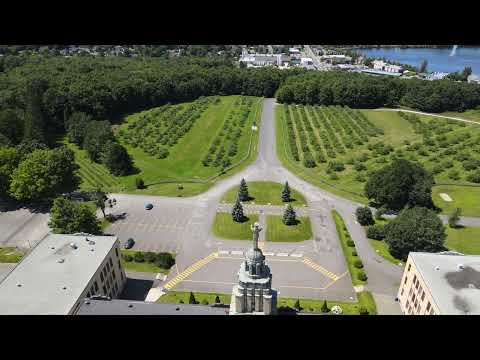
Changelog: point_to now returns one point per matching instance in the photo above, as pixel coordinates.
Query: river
(441, 60)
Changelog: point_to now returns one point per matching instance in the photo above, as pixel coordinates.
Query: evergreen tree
(454, 218)
(192, 299)
(217, 300)
(325, 308)
(289, 216)
(286, 193)
(243, 191)
(237, 211)
(297, 305)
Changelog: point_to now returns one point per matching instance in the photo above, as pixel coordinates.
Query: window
(417, 285)
(101, 277)
(116, 251)
(104, 290)
(108, 266)
(401, 294)
(406, 278)
(414, 279)
(410, 292)
(119, 264)
(423, 295)
(409, 266)
(113, 275)
(428, 306)
(96, 286)
(111, 263)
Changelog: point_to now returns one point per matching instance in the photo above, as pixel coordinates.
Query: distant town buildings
(473, 79)
(440, 284)
(336, 59)
(436, 76)
(380, 65)
(60, 272)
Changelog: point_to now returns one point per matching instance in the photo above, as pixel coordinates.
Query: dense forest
(365, 91)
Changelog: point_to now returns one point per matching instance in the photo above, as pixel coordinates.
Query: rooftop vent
(91, 242)
(130, 305)
(460, 267)
(53, 248)
(92, 249)
(177, 309)
(87, 302)
(61, 261)
(471, 286)
(73, 246)
(437, 267)
(19, 285)
(64, 288)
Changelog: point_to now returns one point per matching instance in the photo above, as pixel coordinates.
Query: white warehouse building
(59, 272)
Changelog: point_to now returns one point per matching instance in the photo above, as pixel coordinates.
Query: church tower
(254, 294)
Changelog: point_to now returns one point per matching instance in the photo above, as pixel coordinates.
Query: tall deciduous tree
(243, 191)
(69, 217)
(237, 211)
(43, 174)
(116, 158)
(286, 193)
(11, 126)
(415, 229)
(9, 160)
(399, 184)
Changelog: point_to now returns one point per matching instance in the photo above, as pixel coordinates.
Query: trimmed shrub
(376, 232)
(325, 308)
(354, 253)
(350, 243)
(204, 302)
(358, 264)
(362, 276)
(139, 183)
(363, 310)
(164, 260)
(127, 257)
(139, 257)
(150, 257)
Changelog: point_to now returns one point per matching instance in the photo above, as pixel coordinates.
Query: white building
(383, 66)
(60, 272)
(306, 61)
(445, 283)
(336, 59)
(259, 60)
(473, 79)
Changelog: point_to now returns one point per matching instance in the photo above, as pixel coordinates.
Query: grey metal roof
(52, 277)
(452, 279)
(127, 307)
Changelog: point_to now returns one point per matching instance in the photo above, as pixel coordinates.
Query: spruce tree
(325, 308)
(237, 211)
(297, 305)
(217, 300)
(286, 193)
(192, 299)
(289, 216)
(243, 191)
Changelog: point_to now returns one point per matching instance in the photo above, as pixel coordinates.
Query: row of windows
(108, 276)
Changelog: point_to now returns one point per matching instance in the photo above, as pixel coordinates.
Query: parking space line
(190, 270)
(320, 269)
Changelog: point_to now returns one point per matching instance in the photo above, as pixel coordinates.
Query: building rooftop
(126, 307)
(380, 72)
(51, 278)
(453, 280)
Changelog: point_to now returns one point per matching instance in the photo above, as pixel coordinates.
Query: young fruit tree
(364, 216)
(454, 218)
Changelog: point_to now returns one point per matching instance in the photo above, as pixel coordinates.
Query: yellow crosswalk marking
(190, 270)
(320, 269)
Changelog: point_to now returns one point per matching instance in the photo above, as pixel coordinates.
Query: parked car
(129, 244)
(148, 207)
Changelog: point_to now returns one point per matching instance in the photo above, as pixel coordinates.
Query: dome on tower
(255, 255)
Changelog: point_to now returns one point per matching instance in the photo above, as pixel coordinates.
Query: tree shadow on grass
(286, 310)
(297, 222)
(244, 220)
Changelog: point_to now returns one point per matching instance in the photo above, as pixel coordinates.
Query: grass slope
(10, 255)
(397, 131)
(224, 227)
(184, 164)
(465, 240)
(277, 231)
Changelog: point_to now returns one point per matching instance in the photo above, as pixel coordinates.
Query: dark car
(148, 207)
(129, 244)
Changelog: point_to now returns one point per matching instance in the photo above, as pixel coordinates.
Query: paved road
(434, 115)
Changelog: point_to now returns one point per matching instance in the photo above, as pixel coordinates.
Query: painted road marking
(268, 254)
(296, 255)
(320, 269)
(236, 252)
(190, 270)
(282, 254)
(224, 252)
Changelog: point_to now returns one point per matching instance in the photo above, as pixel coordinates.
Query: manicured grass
(224, 227)
(382, 248)
(347, 250)
(141, 267)
(10, 255)
(465, 240)
(277, 231)
(177, 296)
(397, 132)
(309, 305)
(464, 197)
(184, 163)
(264, 192)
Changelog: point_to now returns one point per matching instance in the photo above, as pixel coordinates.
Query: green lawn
(309, 305)
(465, 240)
(184, 163)
(347, 250)
(264, 192)
(224, 227)
(10, 255)
(397, 131)
(277, 231)
(473, 114)
(141, 267)
(382, 248)
(464, 197)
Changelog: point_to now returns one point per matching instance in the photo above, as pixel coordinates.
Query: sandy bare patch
(445, 197)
